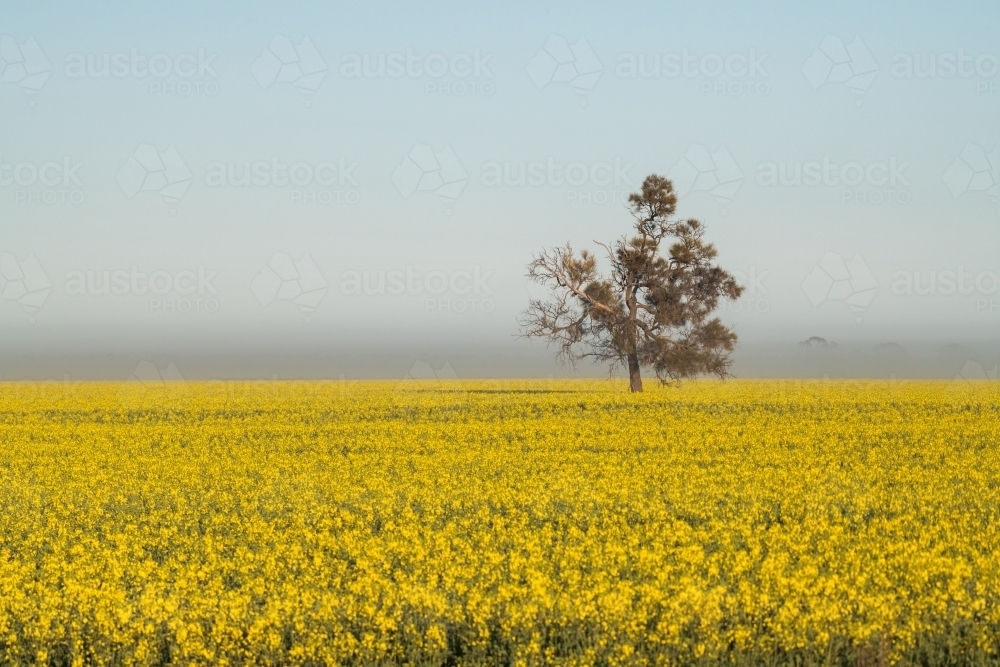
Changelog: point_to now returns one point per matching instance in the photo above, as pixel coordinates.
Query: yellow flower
(523, 522)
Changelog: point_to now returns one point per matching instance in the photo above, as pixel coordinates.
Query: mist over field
(354, 191)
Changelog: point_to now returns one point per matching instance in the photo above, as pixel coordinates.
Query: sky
(305, 189)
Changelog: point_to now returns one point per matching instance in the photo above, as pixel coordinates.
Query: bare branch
(650, 310)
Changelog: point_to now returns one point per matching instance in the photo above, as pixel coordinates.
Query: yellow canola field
(520, 523)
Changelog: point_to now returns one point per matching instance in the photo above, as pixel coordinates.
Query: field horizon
(866, 359)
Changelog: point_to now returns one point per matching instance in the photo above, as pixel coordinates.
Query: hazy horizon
(300, 191)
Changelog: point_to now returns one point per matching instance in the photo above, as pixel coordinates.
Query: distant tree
(650, 311)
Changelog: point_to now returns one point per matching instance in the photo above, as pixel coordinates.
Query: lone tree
(651, 311)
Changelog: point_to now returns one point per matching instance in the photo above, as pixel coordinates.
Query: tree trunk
(634, 376)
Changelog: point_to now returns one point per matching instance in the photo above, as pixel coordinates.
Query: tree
(650, 311)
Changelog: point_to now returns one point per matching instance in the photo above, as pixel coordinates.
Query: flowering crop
(748, 522)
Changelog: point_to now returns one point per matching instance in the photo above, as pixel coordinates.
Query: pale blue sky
(902, 97)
